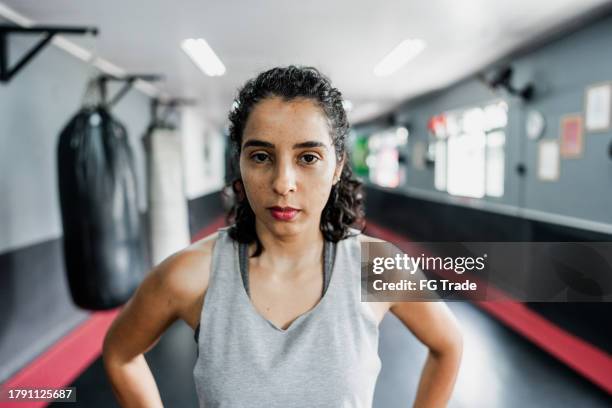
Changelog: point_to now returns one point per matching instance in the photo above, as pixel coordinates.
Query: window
(469, 150)
(385, 159)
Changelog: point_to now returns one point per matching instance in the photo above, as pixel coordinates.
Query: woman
(274, 297)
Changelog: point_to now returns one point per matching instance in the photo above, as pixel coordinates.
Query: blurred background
(471, 121)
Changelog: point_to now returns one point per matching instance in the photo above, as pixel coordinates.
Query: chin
(284, 227)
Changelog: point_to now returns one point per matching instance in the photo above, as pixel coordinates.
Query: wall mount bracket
(169, 106)
(502, 78)
(128, 82)
(49, 32)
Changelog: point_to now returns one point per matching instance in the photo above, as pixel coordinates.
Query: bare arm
(134, 332)
(435, 326)
(165, 295)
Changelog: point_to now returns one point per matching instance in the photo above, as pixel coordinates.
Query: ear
(239, 187)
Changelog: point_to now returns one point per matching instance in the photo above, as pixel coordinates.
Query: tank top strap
(348, 277)
(220, 281)
(243, 254)
(329, 256)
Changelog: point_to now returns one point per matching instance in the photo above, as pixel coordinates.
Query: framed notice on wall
(570, 138)
(597, 107)
(548, 160)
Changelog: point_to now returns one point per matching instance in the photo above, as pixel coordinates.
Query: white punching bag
(168, 213)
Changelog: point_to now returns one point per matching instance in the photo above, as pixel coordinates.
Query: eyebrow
(261, 143)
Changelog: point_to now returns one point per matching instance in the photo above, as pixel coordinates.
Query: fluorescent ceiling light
(203, 56)
(404, 52)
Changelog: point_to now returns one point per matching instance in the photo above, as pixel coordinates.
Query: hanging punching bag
(102, 237)
(167, 202)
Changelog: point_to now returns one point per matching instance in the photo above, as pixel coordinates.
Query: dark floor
(499, 369)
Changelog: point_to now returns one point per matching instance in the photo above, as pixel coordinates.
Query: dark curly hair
(344, 208)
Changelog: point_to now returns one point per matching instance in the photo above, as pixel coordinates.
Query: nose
(284, 178)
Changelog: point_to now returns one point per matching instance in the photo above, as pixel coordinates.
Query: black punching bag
(103, 243)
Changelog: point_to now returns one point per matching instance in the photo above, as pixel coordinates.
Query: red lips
(283, 213)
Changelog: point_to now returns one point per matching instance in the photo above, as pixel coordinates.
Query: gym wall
(560, 70)
(34, 107)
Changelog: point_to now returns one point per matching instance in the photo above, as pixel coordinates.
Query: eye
(259, 155)
(311, 156)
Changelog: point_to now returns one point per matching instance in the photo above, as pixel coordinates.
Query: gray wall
(35, 306)
(34, 107)
(561, 70)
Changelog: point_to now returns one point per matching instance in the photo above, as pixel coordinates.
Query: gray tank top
(327, 357)
(243, 257)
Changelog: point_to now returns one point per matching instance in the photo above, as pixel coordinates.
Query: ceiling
(345, 39)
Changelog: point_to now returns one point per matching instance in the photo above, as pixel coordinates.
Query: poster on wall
(570, 138)
(597, 107)
(548, 160)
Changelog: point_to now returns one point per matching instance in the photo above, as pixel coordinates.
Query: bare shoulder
(185, 276)
(173, 289)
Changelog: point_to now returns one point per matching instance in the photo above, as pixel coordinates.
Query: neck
(286, 253)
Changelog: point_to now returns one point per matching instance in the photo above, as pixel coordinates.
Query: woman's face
(287, 159)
